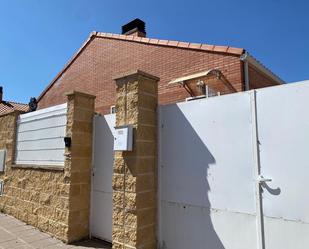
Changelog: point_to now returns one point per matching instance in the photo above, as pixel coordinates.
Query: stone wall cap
(81, 94)
(38, 167)
(13, 112)
(134, 73)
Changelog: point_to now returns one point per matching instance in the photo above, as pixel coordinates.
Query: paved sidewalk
(18, 235)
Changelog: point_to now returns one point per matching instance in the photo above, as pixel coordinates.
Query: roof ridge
(172, 43)
(13, 102)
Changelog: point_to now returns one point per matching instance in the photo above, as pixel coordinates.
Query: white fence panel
(283, 129)
(40, 136)
(206, 176)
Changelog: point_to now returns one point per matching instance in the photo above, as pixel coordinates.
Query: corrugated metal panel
(40, 136)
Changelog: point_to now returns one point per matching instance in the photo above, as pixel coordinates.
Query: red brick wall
(93, 71)
(258, 79)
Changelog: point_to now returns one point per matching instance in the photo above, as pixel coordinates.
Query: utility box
(123, 138)
(2, 160)
(1, 187)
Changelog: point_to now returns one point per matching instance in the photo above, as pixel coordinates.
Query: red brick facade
(259, 79)
(104, 58)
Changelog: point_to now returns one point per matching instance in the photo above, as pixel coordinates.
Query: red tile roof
(8, 106)
(178, 44)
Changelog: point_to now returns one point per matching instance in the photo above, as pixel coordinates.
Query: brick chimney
(135, 28)
(1, 94)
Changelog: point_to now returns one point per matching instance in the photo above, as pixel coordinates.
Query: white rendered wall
(207, 188)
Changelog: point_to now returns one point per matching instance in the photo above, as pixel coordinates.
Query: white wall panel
(285, 234)
(40, 144)
(206, 153)
(206, 171)
(283, 128)
(202, 228)
(205, 164)
(40, 136)
(53, 156)
(42, 123)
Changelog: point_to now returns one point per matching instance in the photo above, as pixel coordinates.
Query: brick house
(106, 55)
(52, 191)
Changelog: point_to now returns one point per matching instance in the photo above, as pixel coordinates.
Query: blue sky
(38, 37)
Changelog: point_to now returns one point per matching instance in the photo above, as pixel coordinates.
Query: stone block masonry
(134, 180)
(54, 200)
(78, 163)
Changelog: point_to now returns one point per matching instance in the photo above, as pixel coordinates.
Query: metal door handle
(261, 179)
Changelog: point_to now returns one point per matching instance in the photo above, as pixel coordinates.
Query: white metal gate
(213, 154)
(102, 174)
(283, 132)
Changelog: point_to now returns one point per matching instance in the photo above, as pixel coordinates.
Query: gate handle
(261, 179)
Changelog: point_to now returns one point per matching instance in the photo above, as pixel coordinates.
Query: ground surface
(18, 235)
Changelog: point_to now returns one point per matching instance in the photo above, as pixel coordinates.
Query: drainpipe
(244, 58)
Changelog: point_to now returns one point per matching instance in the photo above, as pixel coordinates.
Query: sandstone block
(81, 151)
(82, 115)
(117, 245)
(131, 219)
(118, 234)
(118, 182)
(118, 216)
(145, 133)
(118, 199)
(146, 235)
(119, 165)
(83, 127)
(84, 102)
(146, 200)
(43, 223)
(130, 201)
(148, 86)
(147, 117)
(45, 199)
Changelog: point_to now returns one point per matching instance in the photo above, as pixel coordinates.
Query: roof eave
(257, 64)
(67, 65)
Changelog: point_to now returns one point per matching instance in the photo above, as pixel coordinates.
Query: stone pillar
(134, 180)
(78, 163)
(8, 134)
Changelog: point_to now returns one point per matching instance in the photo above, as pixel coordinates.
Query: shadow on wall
(185, 206)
